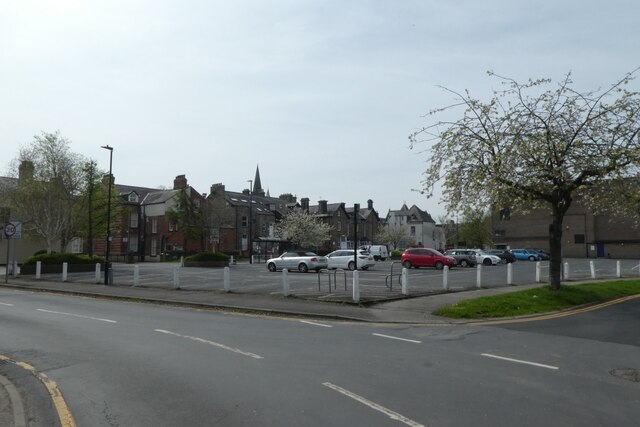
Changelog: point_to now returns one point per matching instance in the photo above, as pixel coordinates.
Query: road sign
(13, 230)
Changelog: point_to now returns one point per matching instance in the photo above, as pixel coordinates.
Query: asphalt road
(128, 364)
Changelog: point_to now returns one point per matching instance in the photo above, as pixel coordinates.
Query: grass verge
(539, 300)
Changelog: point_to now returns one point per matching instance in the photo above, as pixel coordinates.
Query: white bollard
(618, 269)
(38, 269)
(231, 260)
(356, 286)
(479, 276)
(405, 281)
(510, 274)
(65, 266)
(136, 275)
(97, 272)
(181, 261)
(566, 271)
(538, 272)
(285, 282)
(176, 277)
(592, 266)
(445, 278)
(227, 279)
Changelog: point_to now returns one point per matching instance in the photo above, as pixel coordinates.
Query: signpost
(12, 231)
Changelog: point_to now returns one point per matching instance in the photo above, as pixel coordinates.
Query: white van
(379, 252)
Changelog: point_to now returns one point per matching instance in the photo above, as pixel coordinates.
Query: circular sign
(9, 229)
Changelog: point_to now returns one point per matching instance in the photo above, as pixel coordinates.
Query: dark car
(506, 256)
(426, 257)
(544, 255)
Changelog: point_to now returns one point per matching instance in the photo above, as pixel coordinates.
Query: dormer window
(133, 198)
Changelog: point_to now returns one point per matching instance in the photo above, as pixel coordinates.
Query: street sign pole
(9, 231)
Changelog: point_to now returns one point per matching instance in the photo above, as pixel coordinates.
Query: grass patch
(539, 300)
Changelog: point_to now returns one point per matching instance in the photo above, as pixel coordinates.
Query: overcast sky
(322, 95)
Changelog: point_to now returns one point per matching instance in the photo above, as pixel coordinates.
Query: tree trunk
(555, 244)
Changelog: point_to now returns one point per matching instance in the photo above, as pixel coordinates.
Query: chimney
(105, 180)
(180, 182)
(217, 190)
(305, 204)
(370, 204)
(25, 170)
(322, 206)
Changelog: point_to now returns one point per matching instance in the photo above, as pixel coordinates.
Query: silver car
(302, 261)
(343, 258)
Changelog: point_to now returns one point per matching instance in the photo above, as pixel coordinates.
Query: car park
(302, 261)
(525, 255)
(343, 258)
(463, 257)
(426, 257)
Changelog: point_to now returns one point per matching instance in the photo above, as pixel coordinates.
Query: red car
(425, 257)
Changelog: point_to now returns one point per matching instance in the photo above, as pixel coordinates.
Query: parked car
(463, 257)
(544, 255)
(426, 257)
(524, 254)
(302, 261)
(379, 252)
(343, 258)
(505, 255)
(484, 258)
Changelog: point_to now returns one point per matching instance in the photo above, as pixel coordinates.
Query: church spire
(257, 185)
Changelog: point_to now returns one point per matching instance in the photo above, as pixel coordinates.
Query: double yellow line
(66, 419)
(557, 314)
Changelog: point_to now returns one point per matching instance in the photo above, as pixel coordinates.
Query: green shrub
(208, 256)
(57, 258)
(396, 254)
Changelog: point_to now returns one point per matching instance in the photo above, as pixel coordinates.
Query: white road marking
(213, 343)
(7, 304)
(316, 324)
(391, 414)
(397, 338)
(76, 315)
(540, 365)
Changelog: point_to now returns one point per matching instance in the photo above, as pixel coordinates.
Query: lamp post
(250, 181)
(107, 266)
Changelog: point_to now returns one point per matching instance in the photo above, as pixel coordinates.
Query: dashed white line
(397, 338)
(213, 343)
(316, 324)
(540, 365)
(7, 304)
(76, 315)
(391, 414)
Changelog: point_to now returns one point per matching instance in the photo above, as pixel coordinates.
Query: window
(133, 222)
(76, 245)
(413, 230)
(170, 225)
(197, 203)
(339, 226)
(244, 221)
(154, 247)
(133, 243)
(578, 238)
(154, 225)
(133, 198)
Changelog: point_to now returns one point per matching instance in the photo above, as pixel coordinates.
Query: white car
(485, 258)
(343, 258)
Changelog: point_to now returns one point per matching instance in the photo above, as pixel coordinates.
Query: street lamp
(107, 266)
(250, 181)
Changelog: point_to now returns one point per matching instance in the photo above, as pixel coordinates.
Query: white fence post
(356, 286)
(65, 266)
(538, 271)
(445, 278)
(479, 276)
(227, 279)
(405, 281)
(618, 269)
(285, 282)
(136, 275)
(176, 277)
(592, 266)
(509, 274)
(97, 276)
(566, 271)
(38, 269)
